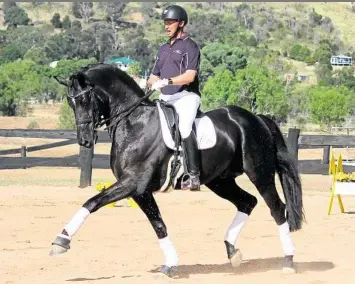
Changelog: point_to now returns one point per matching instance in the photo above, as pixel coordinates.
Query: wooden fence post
(23, 154)
(292, 142)
(326, 154)
(85, 160)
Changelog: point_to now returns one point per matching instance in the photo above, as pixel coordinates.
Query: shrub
(33, 124)
(66, 117)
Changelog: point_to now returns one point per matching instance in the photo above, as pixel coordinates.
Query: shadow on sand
(251, 266)
(89, 279)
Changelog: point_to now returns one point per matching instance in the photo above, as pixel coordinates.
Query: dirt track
(117, 245)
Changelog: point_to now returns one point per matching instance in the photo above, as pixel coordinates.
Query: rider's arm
(193, 64)
(185, 78)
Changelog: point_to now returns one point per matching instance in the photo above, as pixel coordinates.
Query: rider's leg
(187, 107)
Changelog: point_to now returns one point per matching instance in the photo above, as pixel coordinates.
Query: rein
(124, 112)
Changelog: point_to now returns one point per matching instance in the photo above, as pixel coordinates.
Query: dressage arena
(118, 245)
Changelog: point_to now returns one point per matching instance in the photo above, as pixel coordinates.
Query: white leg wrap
(286, 240)
(171, 257)
(77, 220)
(235, 228)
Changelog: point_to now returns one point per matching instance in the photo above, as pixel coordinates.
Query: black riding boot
(192, 161)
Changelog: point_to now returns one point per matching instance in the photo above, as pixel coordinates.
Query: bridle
(82, 93)
(114, 119)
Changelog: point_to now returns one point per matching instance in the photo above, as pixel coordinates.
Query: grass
(339, 12)
(341, 16)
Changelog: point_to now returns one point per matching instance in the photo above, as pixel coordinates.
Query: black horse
(245, 143)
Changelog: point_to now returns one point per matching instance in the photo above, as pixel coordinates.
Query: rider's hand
(152, 79)
(160, 84)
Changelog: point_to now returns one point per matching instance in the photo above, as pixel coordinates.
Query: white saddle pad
(205, 132)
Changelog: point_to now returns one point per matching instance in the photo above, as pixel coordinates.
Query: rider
(175, 75)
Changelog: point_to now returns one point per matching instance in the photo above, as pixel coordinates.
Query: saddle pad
(205, 132)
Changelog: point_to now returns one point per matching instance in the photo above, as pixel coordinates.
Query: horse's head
(81, 99)
(99, 93)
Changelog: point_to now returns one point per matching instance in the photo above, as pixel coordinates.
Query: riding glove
(160, 84)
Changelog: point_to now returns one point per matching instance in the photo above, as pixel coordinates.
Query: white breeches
(186, 105)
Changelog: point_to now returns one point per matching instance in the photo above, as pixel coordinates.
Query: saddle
(169, 120)
(172, 120)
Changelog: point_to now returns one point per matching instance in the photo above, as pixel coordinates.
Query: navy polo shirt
(173, 60)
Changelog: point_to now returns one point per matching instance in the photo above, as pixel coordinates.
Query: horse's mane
(119, 74)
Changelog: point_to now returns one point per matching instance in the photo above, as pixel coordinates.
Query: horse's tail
(287, 170)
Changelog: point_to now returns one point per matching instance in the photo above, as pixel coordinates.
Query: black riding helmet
(175, 12)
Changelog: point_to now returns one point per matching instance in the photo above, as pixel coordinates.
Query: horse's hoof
(171, 272)
(236, 259)
(57, 250)
(289, 266)
(234, 255)
(288, 270)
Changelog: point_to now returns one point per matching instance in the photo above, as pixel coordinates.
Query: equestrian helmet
(175, 12)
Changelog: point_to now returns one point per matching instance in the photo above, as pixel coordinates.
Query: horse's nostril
(83, 142)
(88, 144)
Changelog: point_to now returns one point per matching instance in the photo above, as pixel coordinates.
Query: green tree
(18, 81)
(328, 106)
(49, 86)
(60, 47)
(314, 18)
(254, 88)
(65, 68)
(136, 46)
(26, 37)
(323, 53)
(223, 56)
(10, 53)
(66, 23)
(114, 10)
(55, 21)
(324, 74)
(206, 28)
(7, 5)
(70, 44)
(261, 91)
(299, 52)
(83, 10)
(76, 25)
(344, 77)
(37, 54)
(299, 101)
(349, 96)
(15, 16)
(217, 89)
(206, 70)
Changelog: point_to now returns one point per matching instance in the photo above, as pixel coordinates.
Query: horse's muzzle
(85, 143)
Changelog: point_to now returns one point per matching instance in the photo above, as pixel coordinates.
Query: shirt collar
(183, 37)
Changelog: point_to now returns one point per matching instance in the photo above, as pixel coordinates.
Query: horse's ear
(83, 80)
(62, 81)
